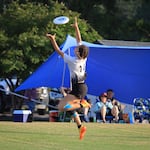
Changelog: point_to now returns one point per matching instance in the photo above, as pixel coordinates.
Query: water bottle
(131, 118)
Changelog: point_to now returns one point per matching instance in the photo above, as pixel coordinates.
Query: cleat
(82, 132)
(84, 103)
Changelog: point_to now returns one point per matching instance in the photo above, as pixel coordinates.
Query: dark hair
(103, 95)
(89, 101)
(83, 51)
(110, 90)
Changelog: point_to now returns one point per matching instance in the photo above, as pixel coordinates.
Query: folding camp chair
(141, 109)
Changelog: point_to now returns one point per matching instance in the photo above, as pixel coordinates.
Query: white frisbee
(61, 20)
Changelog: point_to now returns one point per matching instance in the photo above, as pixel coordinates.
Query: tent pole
(63, 76)
(70, 76)
(24, 97)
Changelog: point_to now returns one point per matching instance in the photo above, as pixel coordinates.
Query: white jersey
(76, 66)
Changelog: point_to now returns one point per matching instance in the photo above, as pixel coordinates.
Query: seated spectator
(85, 111)
(110, 97)
(118, 107)
(105, 107)
(30, 94)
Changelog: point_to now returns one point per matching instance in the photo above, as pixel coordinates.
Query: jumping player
(77, 65)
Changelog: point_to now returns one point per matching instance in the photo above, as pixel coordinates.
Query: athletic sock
(79, 126)
(67, 106)
(81, 105)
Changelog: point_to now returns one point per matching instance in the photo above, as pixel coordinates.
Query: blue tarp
(124, 69)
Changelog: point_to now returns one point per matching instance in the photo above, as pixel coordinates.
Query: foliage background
(23, 27)
(24, 23)
(116, 19)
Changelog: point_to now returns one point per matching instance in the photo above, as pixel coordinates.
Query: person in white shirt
(117, 107)
(77, 66)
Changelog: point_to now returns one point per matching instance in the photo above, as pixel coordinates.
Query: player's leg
(70, 102)
(77, 94)
(82, 129)
(115, 112)
(80, 91)
(103, 113)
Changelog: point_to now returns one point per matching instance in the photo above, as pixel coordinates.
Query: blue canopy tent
(124, 69)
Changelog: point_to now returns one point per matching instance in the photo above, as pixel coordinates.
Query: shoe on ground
(84, 103)
(82, 132)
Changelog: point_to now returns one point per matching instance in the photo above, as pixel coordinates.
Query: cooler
(22, 116)
(53, 115)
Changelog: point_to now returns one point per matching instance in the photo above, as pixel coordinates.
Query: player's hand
(75, 23)
(50, 36)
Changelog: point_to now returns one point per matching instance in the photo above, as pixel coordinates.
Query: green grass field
(65, 136)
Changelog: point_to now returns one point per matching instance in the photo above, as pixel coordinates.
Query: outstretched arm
(55, 45)
(77, 31)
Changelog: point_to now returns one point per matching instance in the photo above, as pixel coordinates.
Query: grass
(64, 136)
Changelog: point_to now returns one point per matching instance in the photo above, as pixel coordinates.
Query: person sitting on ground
(105, 108)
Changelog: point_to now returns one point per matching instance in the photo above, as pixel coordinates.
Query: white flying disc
(61, 20)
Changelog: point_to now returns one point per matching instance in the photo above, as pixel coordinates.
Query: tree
(115, 19)
(23, 27)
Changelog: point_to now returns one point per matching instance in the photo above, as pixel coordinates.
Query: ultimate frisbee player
(77, 66)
